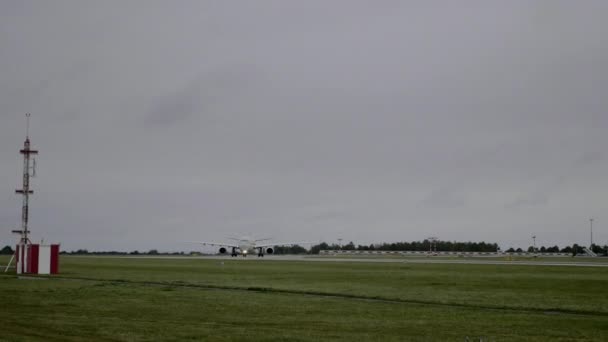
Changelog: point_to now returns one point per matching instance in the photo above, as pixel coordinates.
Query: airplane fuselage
(246, 247)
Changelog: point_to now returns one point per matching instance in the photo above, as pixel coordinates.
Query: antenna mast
(25, 190)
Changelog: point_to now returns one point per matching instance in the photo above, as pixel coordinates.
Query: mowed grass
(129, 299)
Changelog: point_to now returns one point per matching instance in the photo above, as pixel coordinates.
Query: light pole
(591, 231)
(432, 244)
(534, 243)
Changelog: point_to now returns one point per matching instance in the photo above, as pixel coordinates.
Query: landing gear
(233, 252)
(260, 253)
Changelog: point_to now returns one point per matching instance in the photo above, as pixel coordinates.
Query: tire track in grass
(258, 289)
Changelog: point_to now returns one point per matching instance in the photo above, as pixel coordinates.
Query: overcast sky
(164, 121)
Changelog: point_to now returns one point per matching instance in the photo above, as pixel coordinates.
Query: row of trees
(450, 246)
(7, 250)
(425, 245)
(574, 249)
(136, 252)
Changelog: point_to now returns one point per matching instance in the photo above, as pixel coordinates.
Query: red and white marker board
(37, 259)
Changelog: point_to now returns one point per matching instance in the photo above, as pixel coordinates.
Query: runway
(403, 260)
(479, 261)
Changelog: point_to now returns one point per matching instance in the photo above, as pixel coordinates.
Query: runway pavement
(411, 260)
(472, 261)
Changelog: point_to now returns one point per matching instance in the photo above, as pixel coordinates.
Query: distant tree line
(453, 246)
(295, 249)
(135, 252)
(574, 249)
(7, 250)
(425, 245)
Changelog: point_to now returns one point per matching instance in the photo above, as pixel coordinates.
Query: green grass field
(146, 299)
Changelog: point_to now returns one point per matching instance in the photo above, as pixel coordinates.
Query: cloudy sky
(164, 121)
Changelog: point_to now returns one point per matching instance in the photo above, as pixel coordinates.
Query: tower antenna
(25, 190)
(27, 125)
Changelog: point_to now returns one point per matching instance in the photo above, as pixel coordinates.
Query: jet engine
(269, 250)
(223, 250)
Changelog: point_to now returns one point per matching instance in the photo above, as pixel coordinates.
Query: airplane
(248, 245)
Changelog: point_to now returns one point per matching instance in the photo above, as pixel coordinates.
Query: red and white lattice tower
(31, 258)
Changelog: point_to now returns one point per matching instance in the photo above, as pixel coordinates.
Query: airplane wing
(286, 244)
(206, 243)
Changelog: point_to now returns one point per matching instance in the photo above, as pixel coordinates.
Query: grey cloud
(328, 215)
(176, 107)
(530, 200)
(542, 191)
(444, 198)
(200, 96)
(369, 121)
(591, 157)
